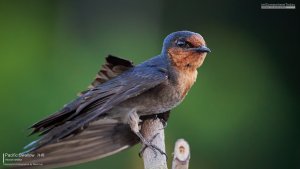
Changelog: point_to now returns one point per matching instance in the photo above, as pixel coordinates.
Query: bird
(104, 119)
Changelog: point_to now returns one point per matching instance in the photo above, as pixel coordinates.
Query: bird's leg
(133, 121)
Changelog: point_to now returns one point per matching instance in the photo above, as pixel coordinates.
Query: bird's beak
(203, 49)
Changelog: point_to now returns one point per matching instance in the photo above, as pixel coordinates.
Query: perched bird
(104, 119)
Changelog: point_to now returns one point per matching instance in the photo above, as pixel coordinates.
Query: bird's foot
(162, 120)
(134, 120)
(154, 148)
(164, 123)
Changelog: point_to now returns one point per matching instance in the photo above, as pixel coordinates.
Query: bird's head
(186, 50)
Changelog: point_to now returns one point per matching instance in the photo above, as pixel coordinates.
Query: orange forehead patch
(196, 40)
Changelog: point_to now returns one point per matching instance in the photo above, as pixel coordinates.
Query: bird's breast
(186, 80)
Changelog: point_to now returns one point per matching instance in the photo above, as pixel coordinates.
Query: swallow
(105, 119)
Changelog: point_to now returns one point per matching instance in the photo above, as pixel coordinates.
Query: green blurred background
(242, 113)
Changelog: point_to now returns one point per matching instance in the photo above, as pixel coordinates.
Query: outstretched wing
(113, 67)
(102, 98)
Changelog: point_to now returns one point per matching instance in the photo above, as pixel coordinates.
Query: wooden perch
(181, 155)
(152, 160)
(150, 128)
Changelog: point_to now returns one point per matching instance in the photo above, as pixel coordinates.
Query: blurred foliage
(242, 112)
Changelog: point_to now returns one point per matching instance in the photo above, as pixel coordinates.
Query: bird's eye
(182, 44)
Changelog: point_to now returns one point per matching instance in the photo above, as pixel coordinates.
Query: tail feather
(100, 139)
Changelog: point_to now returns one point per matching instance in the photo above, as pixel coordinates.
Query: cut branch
(152, 130)
(181, 155)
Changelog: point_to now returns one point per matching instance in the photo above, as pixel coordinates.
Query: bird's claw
(164, 123)
(162, 120)
(148, 144)
(153, 148)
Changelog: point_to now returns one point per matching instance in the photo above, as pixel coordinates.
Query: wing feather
(102, 98)
(113, 67)
(125, 86)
